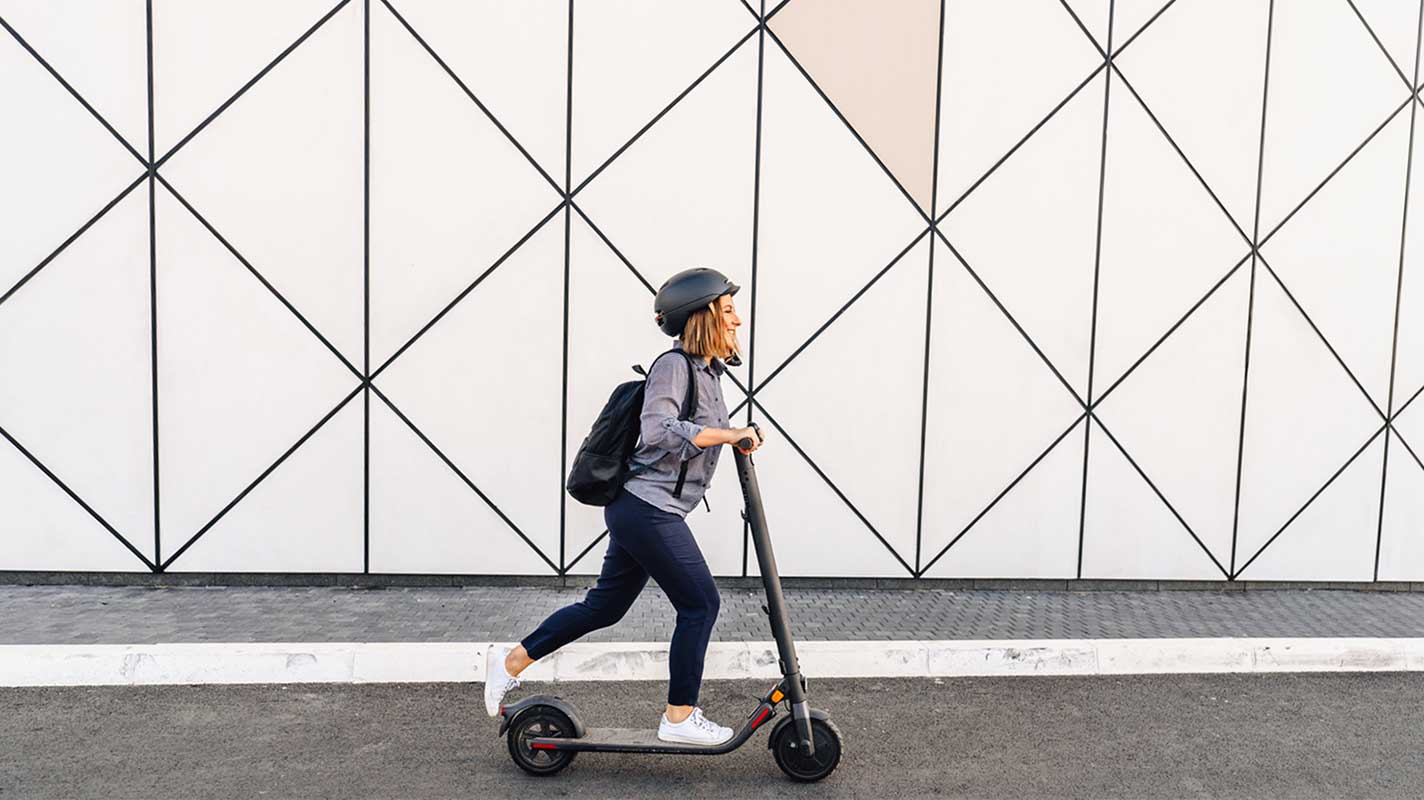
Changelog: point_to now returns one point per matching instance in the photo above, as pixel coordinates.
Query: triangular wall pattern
(1032, 532)
(424, 519)
(289, 197)
(204, 54)
(1340, 256)
(485, 41)
(453, 383)
(1032, 52)
(1165, 243)
(306, 516)
(1030, 232)
(74, 350)
(615, 93)
(1304, 418)
(823, 234)
(983, 377)
(813, 401)
(449, 193)
(70, 169)
(240, 378)
(1179, 413)
(1128, 531)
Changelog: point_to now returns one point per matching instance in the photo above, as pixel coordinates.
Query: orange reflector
(776, 696)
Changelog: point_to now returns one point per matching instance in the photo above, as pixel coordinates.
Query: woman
(647, 536)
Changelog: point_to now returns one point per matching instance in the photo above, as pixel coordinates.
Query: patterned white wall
(1042, 288)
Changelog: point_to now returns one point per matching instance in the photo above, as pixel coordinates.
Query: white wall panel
(1183, 90)
(1409, 358)
(1128, 532)
(384, 168)
(855, 413)
(45, 529)
(1179, 413)
(285, 196)
(70, 168)
(204, 53)
(304, 517)
(484, 42)
(1402, 532)
(1031, 531)
(1334, 537)
(1030, 232)
(74, 350)
(994, 405)
(1304, 420)
(1340, 257)
(240, 379)
(450, 194)
(1032, 51)
(615, 42)
(455, 384)
(830, 217)
(1340, 100)
(1165, 242)
(425, 519)
(100, 48)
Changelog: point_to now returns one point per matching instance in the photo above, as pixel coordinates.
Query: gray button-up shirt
(667, 441)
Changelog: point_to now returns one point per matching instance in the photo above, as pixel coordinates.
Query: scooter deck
(631, 739)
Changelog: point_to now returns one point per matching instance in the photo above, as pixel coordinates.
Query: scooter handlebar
(746, 441)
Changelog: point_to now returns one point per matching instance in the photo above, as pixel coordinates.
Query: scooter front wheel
(536, 723)
(792, 757)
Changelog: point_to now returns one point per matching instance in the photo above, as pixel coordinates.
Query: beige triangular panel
(877, 62)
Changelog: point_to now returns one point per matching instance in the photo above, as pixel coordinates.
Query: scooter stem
(755, 517)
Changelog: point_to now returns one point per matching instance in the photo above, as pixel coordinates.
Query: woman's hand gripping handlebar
(751, 439)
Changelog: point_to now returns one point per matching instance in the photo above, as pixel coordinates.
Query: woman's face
(730, 320)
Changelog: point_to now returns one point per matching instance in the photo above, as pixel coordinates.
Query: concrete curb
(420, 662)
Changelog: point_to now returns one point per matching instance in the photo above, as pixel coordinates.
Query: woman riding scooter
(648, 536)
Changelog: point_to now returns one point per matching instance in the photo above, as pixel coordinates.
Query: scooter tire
(786, 748)
(534, 723)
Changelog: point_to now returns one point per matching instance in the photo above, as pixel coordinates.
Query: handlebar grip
(745, 443)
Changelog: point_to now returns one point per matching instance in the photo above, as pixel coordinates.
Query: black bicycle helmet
(686, 292)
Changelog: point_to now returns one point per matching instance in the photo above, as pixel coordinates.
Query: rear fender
(510, 713)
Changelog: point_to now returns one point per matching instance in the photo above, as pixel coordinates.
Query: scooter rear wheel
(792, 758)
(536, 723)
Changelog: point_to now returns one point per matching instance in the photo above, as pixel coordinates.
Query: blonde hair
(705, 333)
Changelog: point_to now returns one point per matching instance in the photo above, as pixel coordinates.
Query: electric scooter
(545, 733)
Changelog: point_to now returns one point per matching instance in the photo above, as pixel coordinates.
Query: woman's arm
(709, 437)
(663, 395)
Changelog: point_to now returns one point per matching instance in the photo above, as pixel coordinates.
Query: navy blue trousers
(644, 541)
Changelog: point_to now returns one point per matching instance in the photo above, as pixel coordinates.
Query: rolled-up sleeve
(662, 400)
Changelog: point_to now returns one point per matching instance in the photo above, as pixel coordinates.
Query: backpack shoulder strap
(689, 408)
(689, 401)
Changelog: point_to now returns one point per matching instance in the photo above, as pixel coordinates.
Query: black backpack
(601, 465)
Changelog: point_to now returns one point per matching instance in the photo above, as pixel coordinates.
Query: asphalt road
(1286, 736)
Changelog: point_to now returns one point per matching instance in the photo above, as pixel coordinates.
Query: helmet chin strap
(732, 361)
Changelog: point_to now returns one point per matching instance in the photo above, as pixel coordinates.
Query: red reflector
(542, 746)
(762, 718)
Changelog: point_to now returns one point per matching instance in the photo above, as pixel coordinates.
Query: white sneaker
(498, 681)
(696, 729)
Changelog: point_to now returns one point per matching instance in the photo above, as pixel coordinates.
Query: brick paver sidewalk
(142, 615)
